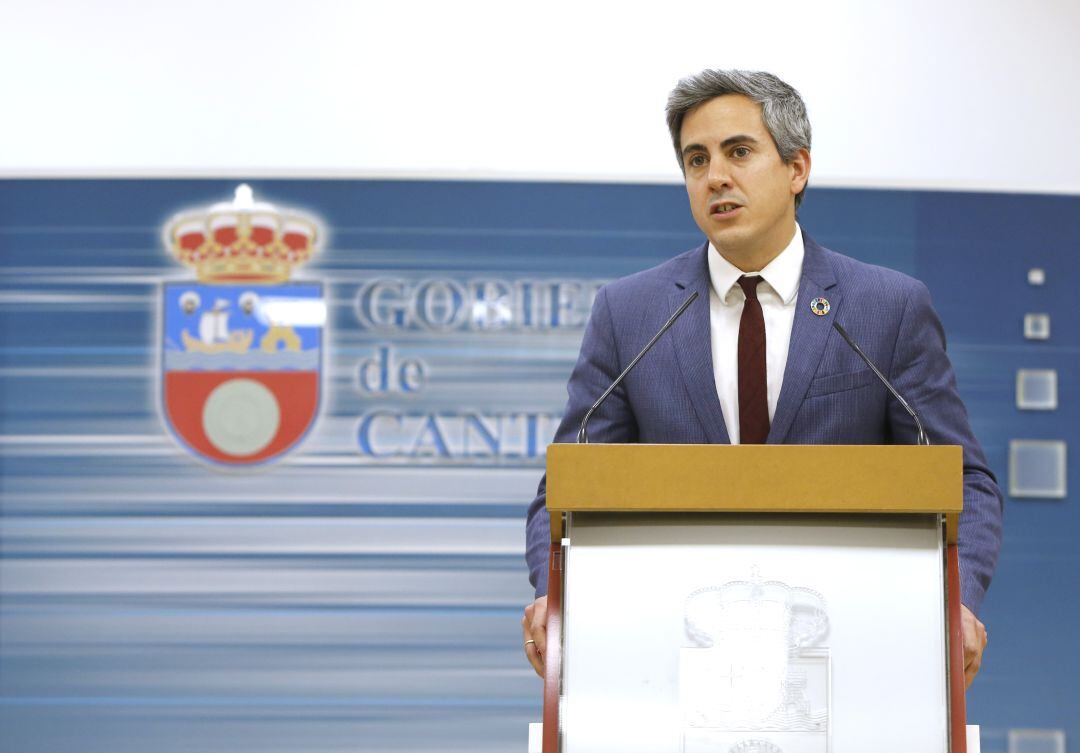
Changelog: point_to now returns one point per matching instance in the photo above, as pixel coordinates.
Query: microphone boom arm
(583, 435)
(923, 439)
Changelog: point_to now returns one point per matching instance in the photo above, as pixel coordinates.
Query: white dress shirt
(777, 293)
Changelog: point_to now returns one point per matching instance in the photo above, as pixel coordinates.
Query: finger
(972, 655)
(538, 626)
(527, 636)
(973, 663)
(971, 670)
(975, 640)
(535, 659)
(532, 653)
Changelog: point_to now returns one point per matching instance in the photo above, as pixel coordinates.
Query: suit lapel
(809, 334)
(692, 343)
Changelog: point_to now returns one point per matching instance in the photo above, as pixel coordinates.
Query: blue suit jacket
(828, 395)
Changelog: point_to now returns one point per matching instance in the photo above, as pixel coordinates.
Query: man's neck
(761, 254)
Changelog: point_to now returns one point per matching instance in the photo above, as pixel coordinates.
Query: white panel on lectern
(1037, 468)
(753, 634)
(1036, 741)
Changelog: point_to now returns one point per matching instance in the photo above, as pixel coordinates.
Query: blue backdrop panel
(365, 592)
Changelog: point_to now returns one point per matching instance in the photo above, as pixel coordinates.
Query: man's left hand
(975, 638)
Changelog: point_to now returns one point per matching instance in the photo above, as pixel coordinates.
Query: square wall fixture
(1036, 389)
(1036, 276)
(1037, 326)
(1036, 741)
(1037, 468)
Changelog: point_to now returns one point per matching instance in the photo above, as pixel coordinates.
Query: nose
(719, 174)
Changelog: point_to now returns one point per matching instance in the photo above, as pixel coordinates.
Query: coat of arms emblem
(242, 344)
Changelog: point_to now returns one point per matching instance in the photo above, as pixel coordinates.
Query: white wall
(918, 93)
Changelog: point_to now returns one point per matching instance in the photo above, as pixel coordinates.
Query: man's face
(741, 192)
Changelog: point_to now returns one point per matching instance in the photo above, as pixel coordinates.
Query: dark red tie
(753, 396)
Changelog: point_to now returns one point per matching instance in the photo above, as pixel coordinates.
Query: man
(761, 362)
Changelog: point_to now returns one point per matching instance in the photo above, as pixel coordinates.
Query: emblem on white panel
(754, 746)
(754, 674)
(242, 343)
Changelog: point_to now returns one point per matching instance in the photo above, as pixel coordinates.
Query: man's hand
(534, 629)
(975, 638)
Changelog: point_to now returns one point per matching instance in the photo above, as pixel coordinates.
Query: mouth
(723, 209)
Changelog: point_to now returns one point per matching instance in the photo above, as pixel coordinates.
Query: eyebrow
(740, 138)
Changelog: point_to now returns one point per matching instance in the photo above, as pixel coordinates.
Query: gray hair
(782, 108)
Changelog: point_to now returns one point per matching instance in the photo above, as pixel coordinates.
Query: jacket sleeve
(597, 366)
(922, 372)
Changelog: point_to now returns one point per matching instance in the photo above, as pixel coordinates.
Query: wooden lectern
(754, 599)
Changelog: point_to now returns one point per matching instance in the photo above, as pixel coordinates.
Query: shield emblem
(242, 343)
(241, 367)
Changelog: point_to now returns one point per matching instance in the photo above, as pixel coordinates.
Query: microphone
(923, 439)
(582, 435)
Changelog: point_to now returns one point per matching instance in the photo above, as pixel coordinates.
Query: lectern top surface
(759, 478)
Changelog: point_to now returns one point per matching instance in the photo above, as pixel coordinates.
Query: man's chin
(727, 239)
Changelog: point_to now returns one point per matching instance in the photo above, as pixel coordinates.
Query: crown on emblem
(243, 240)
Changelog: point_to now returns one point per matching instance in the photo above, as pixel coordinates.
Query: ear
(800, 170)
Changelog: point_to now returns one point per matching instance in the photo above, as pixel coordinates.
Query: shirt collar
(781, 274)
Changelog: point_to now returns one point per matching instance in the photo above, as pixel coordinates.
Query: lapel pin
(820, 306)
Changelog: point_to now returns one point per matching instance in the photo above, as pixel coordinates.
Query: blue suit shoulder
(637, 304)
(648, 280)
(871, 290)
(871, 278)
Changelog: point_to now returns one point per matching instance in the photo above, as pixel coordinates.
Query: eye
(696, 160)
(740, 151)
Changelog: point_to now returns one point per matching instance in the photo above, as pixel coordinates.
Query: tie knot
(749, 286)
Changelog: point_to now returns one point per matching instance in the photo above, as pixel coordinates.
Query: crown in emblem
(243, 240)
